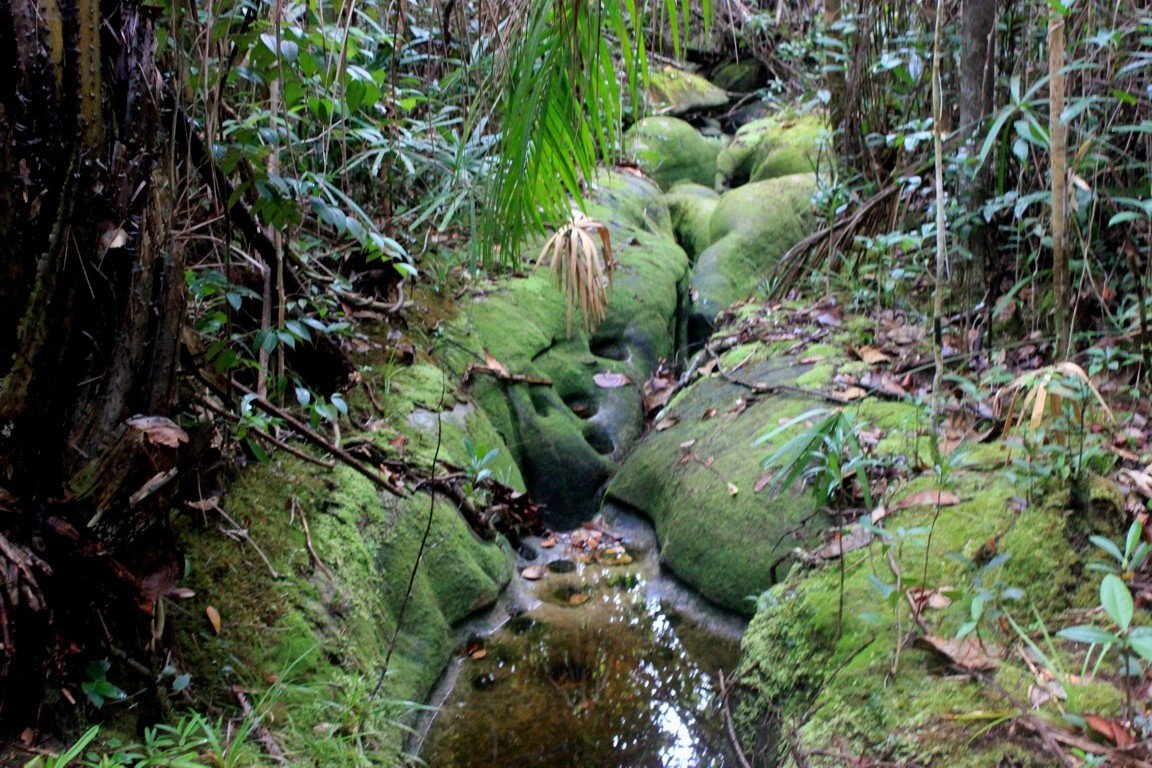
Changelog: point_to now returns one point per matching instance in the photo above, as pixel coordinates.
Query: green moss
(670, 150)
(672, 91)
(768, 148)
(918, 712)
(740, 76)
(725, 545)
(751, 228)
(691, 207)
(325, 630)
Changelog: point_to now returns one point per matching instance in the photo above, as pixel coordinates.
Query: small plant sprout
(1124, 563)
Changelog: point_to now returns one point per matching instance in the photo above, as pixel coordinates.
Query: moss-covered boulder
(670, 150)
(697, 481)
(771, 147)
(672, 91)
(867, 689)
(751, 228)
(567, 434)
(691, 207)
(741, 76)
(313, 596)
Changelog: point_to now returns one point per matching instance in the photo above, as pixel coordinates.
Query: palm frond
(582, 272)
(561, 114)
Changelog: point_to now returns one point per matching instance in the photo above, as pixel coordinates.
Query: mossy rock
(323, 629)
(670, 150)
(673, 91)
(834, 680)
(771, 147)
(566, 436)
(742, 76)
(750, 229)
(696, 481)
(691, 207)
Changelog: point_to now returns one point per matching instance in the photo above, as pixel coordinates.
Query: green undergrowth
(313, 637)
(850, 691)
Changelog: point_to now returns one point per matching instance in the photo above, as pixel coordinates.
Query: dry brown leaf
(849, 540)
(871, 355)
(852, 393)
(478, 654)
(578, 599)
(921, 598)
(548, 542)
(965, 653)
(496, 366)
(708, 414)
(159, 430)
(534, 572)
(607, 380)
(213, 618)
(763, 482)
(1113, 730)
(667, 423)
(928, 499)
(687, 444)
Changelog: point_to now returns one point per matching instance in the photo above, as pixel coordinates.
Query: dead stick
(308, 542)
(728, 722)
(263, 735)
(311, 436)
(303, 456)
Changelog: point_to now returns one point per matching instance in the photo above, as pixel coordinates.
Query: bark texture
(91, 300)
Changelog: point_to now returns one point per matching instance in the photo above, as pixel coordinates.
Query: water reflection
(599, 675)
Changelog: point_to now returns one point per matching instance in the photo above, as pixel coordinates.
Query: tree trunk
(977, 80)
(91, 303)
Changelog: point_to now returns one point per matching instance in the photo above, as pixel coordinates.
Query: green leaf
(1117, 600)
(1088, 635)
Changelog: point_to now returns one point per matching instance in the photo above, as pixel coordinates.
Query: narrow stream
(603, 662)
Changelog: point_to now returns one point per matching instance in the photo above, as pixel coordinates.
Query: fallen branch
(259, 730)
(502, 375)
(313, 437)
(724, 689)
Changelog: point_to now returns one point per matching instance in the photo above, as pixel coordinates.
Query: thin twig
(296, 510)
(724, 689)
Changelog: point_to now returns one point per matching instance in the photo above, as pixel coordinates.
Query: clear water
(611, 667)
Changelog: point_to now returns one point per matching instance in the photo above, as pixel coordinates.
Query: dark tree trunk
(977, 81)
(91, 300)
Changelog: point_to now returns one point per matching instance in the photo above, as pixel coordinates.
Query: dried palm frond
(1042, 394)
(582, 271)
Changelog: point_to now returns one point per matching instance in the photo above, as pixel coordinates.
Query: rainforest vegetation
(326, 326)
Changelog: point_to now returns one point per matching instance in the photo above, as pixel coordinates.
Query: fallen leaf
(478, 654)
(965, 653)
(578, 599)
(1113, 730)
(687, 444)
(496, 366)
(732, 489)
(667, 423)
(871, 355)
(810, 360)
(763, 482)
(921, 598)
(847, 540)
(548, 543)
(708, 414)
(181, 592)
(928, 499)
(828, 320)
(113, 237)
(159, 430)
(852, 393)
(213, 618)
(607, 380)
(906, 334)
(533, 572)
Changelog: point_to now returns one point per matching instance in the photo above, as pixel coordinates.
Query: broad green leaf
(1117, 600)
